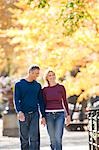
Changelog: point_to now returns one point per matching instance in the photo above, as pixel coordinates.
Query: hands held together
(21, 117)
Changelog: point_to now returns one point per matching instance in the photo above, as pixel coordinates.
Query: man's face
(34, 74)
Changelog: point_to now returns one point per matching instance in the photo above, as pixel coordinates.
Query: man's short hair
(34, 67)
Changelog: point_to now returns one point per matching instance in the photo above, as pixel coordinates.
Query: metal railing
(93, 129)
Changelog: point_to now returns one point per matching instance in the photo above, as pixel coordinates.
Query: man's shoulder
(39, 84)
(18, 82)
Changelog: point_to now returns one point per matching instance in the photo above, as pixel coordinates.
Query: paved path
(71, 141)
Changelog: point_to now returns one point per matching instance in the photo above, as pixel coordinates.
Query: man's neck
(29, 79)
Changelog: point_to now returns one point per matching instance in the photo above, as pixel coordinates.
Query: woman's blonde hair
(46, 74)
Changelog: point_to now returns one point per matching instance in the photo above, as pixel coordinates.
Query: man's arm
(41, 102)
(17, 97)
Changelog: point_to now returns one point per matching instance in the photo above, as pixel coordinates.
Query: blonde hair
(46, 74)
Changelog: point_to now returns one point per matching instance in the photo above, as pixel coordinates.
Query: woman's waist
(54, 110)
(54, 105)
(54, 102)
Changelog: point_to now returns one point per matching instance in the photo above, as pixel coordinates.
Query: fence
(93, 129)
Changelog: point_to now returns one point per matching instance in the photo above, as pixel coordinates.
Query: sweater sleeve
(65, 100)
(17, 98)
(44, 96)
(41, 102)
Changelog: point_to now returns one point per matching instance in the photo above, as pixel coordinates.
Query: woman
(56, 106)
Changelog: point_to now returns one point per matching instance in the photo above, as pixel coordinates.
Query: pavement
(71, 140)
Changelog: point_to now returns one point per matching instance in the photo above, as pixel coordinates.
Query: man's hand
(68, 120)
(43, 121)
(21, 116)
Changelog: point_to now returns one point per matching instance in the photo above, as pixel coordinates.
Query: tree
(9, 56)
(62, 35)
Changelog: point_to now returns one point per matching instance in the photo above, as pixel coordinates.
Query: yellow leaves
(93, 68)
(22, 4)
(72, 86)
(87, 80)
(38, 38)
(93, 91)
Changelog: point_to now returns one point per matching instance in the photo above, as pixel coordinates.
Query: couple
(29, 98)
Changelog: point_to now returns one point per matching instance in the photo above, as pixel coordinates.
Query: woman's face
(51, 77)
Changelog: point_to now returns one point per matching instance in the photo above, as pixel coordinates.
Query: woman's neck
(52, 83)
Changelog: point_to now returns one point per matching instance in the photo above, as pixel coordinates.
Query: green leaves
(42, 3)
(72, 15)
(70, 4)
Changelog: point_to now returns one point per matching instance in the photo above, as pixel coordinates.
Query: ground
(71, 141)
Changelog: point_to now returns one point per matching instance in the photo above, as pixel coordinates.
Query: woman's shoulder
(45, 87)
(57, 85)
(61, 86)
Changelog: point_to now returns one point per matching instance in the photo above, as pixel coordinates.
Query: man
(27, 97)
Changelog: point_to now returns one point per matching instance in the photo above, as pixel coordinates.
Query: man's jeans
(29, 132)
(55, 127)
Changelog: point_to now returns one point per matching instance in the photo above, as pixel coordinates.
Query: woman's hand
(68, 120)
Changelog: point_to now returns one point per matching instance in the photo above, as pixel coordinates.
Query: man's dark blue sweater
(27, 97)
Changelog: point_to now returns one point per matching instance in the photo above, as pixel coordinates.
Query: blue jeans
(29, 132)
(55, 128)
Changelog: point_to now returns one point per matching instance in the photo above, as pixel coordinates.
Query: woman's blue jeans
(55, 128)
(29, 132)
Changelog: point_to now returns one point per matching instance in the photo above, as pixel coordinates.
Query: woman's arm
(66, 106)
(65, 100)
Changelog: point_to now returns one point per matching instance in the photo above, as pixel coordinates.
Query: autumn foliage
(62, 35)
